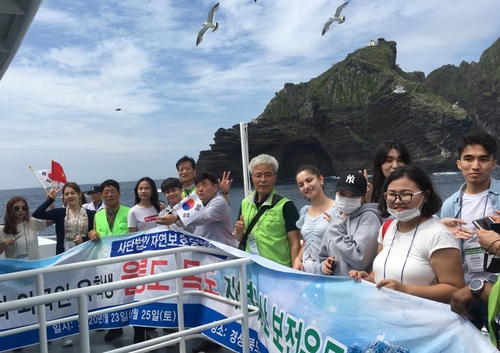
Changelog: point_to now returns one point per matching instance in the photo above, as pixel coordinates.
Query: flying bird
(335, 18)
(455, 106)
(399, 89)
(208, 24)
(118, 109)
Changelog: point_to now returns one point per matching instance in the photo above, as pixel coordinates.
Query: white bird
(335, 18)
(208, 24)
(399, 89)
(455, 106)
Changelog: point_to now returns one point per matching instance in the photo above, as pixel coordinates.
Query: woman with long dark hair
(142, 217)
(19, 232)
(147, 206)
(388, 156)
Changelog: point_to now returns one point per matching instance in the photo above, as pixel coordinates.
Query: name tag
(252, 244)
(474, 256)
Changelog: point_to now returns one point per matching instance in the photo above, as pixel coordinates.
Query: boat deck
(98, 345)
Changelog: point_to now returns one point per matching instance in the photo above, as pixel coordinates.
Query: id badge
(474, 256)
(69, 244)
(22, 257)
(252, 244)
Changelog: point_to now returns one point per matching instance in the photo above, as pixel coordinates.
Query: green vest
(493, 310)
(119, 227)
(187, 192)
(270, 230)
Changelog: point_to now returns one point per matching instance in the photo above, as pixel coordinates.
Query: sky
(82, 59)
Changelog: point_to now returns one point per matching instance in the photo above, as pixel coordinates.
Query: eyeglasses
(19, 208)
(265, 175)
(404, 198)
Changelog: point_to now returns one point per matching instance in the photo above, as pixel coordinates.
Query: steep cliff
(475, 86)
(337, 120)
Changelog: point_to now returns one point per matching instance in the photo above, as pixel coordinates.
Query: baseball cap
(354, 182)
(94, 190)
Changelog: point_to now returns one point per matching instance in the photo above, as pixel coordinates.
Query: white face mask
(347, 205)
(406, 215)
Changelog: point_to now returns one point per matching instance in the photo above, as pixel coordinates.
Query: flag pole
(46, 193)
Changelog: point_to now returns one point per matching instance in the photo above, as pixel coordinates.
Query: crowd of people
(394, 231)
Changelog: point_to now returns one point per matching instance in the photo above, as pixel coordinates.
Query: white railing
(82, 295)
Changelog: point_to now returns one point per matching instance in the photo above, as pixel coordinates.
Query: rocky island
(337, 120)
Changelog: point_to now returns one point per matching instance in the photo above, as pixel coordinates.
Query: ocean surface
(445, 183)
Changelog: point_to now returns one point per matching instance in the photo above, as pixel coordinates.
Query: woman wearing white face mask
(350, 241)
(417, 255)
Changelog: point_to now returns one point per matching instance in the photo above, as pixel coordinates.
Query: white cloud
(83, 59)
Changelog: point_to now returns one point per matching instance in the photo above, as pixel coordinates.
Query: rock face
(475, 86)
(337, 120)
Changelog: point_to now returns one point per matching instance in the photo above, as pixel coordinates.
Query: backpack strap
(262, 209)
(386, 225)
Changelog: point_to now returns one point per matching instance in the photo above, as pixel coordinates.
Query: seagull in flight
(455, 106)
(399, 89)
(208, 24)
(335, 18)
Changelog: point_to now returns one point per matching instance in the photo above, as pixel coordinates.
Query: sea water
(446, 184)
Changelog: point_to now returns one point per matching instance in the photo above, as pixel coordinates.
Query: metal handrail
(82, 295)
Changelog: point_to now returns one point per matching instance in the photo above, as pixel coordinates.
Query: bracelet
(224, 193)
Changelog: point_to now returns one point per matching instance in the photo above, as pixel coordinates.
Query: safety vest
(270, 230)
(187, 192)
(120, 226)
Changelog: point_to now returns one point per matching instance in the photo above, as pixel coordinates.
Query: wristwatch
(476, 287)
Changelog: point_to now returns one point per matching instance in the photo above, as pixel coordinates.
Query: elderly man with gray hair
(266, 221)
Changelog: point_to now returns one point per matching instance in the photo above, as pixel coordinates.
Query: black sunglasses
(19, 208)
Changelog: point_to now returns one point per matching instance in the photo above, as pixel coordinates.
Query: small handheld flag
(58, 173)
(190, 208)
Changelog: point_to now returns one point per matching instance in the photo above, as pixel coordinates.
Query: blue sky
(82, 59)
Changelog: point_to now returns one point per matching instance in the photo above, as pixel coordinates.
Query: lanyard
(459, 214)
(407, 254)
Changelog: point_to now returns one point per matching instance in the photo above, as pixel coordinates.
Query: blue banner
(299, 312)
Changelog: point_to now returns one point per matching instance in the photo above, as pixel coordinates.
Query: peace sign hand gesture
(53, 193)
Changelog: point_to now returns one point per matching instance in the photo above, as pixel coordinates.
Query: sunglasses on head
(19, 208)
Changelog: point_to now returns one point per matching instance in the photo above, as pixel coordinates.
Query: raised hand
(225, 182)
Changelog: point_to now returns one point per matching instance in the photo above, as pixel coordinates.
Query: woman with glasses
(19, 232)
(313, 220)
(418, 255)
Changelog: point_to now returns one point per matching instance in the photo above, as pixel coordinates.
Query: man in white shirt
(96, 203)
(478, 197)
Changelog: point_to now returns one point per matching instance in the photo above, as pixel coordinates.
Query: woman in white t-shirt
(417, 255)
(19, 232)
(142, 217)
(313, 220)
(147, 206)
